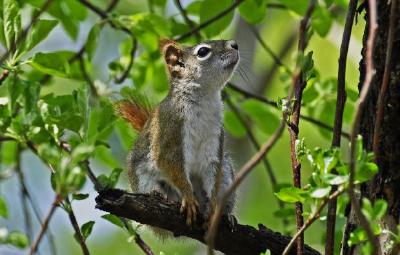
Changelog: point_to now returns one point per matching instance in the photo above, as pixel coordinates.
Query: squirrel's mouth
(231, 61)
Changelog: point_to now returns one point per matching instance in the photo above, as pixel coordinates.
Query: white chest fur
(201, 133)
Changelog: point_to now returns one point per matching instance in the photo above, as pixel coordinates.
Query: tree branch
(188, 21)
(75, 225)
(337, 127)
(272, 103)
(312, 218)
(299, 84)
(370, 71)
(155, 211)
(46, 221)
(220, 15)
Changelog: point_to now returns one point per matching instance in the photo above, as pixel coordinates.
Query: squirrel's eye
(202, 52)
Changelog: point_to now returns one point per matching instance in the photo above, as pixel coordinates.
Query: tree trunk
(386, 184)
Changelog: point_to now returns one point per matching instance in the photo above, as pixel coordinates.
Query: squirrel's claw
(232, 222)
(189, 205)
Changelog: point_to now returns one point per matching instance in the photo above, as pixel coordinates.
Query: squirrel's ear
(173, 56)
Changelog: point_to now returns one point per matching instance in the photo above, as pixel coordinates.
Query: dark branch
(210, 21)
(337, 127)
(78, 232)
(130, 65)
(275, 105)
(155, 211)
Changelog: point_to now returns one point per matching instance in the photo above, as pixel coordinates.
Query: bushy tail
(135, 110)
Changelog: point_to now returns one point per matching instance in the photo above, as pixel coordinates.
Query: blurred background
(258, 73)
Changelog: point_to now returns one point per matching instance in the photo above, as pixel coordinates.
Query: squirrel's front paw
(190, 206)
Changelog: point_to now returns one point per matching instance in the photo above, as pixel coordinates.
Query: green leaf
(320, 192)
(233, 125)
(333, 179)
(321, 21)
(53, 63)
(209, 9)
(82, 152)
(253, 11)
(113, 219)
(12, 22)
(298, 6)
(114, 176)
(39, 32)
(291, 195)
(357, 236)
(17, 239)
(80, 196)
(367, 209)
(86, 229)
(3, 208)
(365, 171)
(379, 209)
(262, 115)
(91, 42)
(194, 8)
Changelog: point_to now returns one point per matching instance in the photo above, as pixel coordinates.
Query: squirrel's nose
(233, 44)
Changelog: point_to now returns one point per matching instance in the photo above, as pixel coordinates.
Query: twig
(104, 14)
(244, 171)
(45, 224)
(25, 196)
(23, 193)
(87, 78)
(312, 218)
(283, 52)
(299, 85)
(131, 60)
(275, 105)
(220, 15)
(188, 21)
(370, 71)
(75, 225)
(268, 49)
(99, 188)
(145, 248)
(111, 5)
(154, 210)
(385, 81)
(256, 145)
(337, 127)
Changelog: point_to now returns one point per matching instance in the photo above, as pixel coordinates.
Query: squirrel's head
(209, 64)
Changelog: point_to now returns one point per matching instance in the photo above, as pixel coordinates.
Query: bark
(385, 185)
(154, 210)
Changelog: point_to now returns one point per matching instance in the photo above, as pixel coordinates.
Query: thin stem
(45, 225)
(75, 225)
(188, 21)
(23, 193)
(220, 15)
(370, 71)
(275, 105)
(244, 171)
(268, 49)
(299, 85)
(257, 146)
(87, 78)
(130, 65)
(337, 128)
(312, 219)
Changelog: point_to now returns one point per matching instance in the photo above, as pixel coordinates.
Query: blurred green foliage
(67, 95)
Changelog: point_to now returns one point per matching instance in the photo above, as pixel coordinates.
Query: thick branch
(155, 211)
